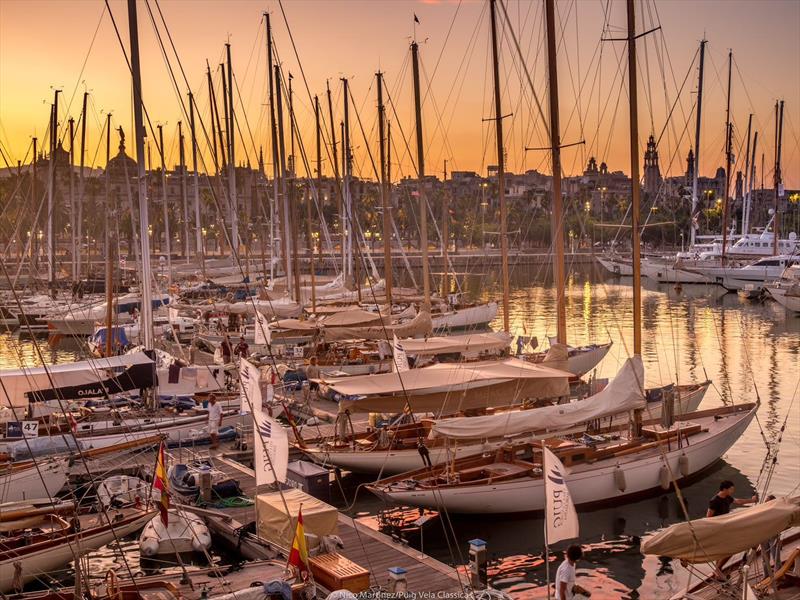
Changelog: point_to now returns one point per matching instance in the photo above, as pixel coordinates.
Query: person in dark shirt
(227, 350)
(242, 348)
(720, 504)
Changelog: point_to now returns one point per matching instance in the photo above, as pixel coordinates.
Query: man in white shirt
(566, 588)
(214, 420)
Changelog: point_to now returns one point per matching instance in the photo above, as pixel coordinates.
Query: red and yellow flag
(298, 556)
(160, 483)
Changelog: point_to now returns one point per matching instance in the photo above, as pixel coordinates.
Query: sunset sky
(44, 45)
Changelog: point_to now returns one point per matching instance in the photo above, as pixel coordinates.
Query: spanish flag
(298, 556)
(160, 483)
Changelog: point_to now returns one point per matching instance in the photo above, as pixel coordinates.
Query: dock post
(205, 485)
(477, 564)
(397, 580)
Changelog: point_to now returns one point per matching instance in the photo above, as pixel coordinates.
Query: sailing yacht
(752, 276)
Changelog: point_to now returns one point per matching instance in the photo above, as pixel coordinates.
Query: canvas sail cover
(352, 318)
(83, 379)
(319, 518)
(451, 344)
(622, 394)
(713, 538)
(279, 307)
(421, 324)
(557, 356)
(449, 388)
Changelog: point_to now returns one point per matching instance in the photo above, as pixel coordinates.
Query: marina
(264, 334)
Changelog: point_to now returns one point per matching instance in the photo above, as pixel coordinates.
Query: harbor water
(750, 351)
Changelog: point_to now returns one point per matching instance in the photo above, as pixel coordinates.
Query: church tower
(652, 174)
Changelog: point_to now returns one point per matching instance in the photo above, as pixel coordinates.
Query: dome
(122, 164)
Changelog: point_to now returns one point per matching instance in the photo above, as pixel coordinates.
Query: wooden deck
(370, 549)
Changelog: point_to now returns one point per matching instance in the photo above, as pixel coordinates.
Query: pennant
(416, 19)
(160, 483)
(298, 556)
(270, 448)
(561, 520)
(249, 387)
(263, 334)
(400, 357)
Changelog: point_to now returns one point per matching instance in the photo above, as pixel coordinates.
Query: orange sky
(44, 44)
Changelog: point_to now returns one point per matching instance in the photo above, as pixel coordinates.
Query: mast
(293, 216)
(232, 160)
(198, 225)
(146, 320)
(51, 240)
(219, 155)
(746, 186)
(557, 224)
(34, 238)
(386, 192)
(184, 191)
(778, 175)
(423, 204)
(348, 200)
(318, 123)
(81, 185)
(753, 173)
(728, 160)
(501, 174)
(635, 189)
(310, 240)
(167, 234)
(339, 199)
(284, 204)
(445, 234)
(109, 248)
(274, 210)
(73, 225)
(697, 129)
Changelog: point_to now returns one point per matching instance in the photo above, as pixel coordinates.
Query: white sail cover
(19, 382)
(450, 344)
(419, 325)
(713, 538)
(625, 392)
(448, 388)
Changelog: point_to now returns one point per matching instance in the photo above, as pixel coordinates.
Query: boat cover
(319, 518)
(419, 325)
(625, 392)
(81, 379)
(450, 344)
(713, 538)
(447, 388)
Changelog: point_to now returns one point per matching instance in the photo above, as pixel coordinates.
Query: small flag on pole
(416, 18)
(400, 357)
(561, 520)
(298, 556)
(160, 483)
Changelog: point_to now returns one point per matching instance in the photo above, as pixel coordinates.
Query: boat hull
(463, 318)
(669, 273)
(616, 267)
(789, 302)
(588, 484)
(42, 481)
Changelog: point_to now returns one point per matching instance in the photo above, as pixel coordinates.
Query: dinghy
(185, 532)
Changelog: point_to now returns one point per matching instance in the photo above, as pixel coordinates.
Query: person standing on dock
(214, 420)
(566, 588)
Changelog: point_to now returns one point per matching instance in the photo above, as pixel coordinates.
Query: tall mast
(423, 204)
(752, 185)
(318, 124)
(746, 186)
(697, 129)
(167, 233)
(73, 225)
(386, 191)
(109, 248)
(51, 240)
(34, 228)
(82, 189)
(146, 322)
(348, 200)
(339, 198)
(232, 160)
(293, 216)
(635, 189)
(501, 173)
(557, 224)
(778, 176)
(184, 190)
(284, 204)
(445, 234)
(728, 160)
(198, 225)
(216, 127)
(274, 210)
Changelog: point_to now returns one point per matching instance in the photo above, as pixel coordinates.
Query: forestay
(625, 392)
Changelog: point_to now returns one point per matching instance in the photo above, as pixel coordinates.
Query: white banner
(400, 358)
(249, 387)
(560, 518)
(270, 443)
(263, 334)
(173, 314)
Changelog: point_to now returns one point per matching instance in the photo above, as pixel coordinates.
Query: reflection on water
(750, 352)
